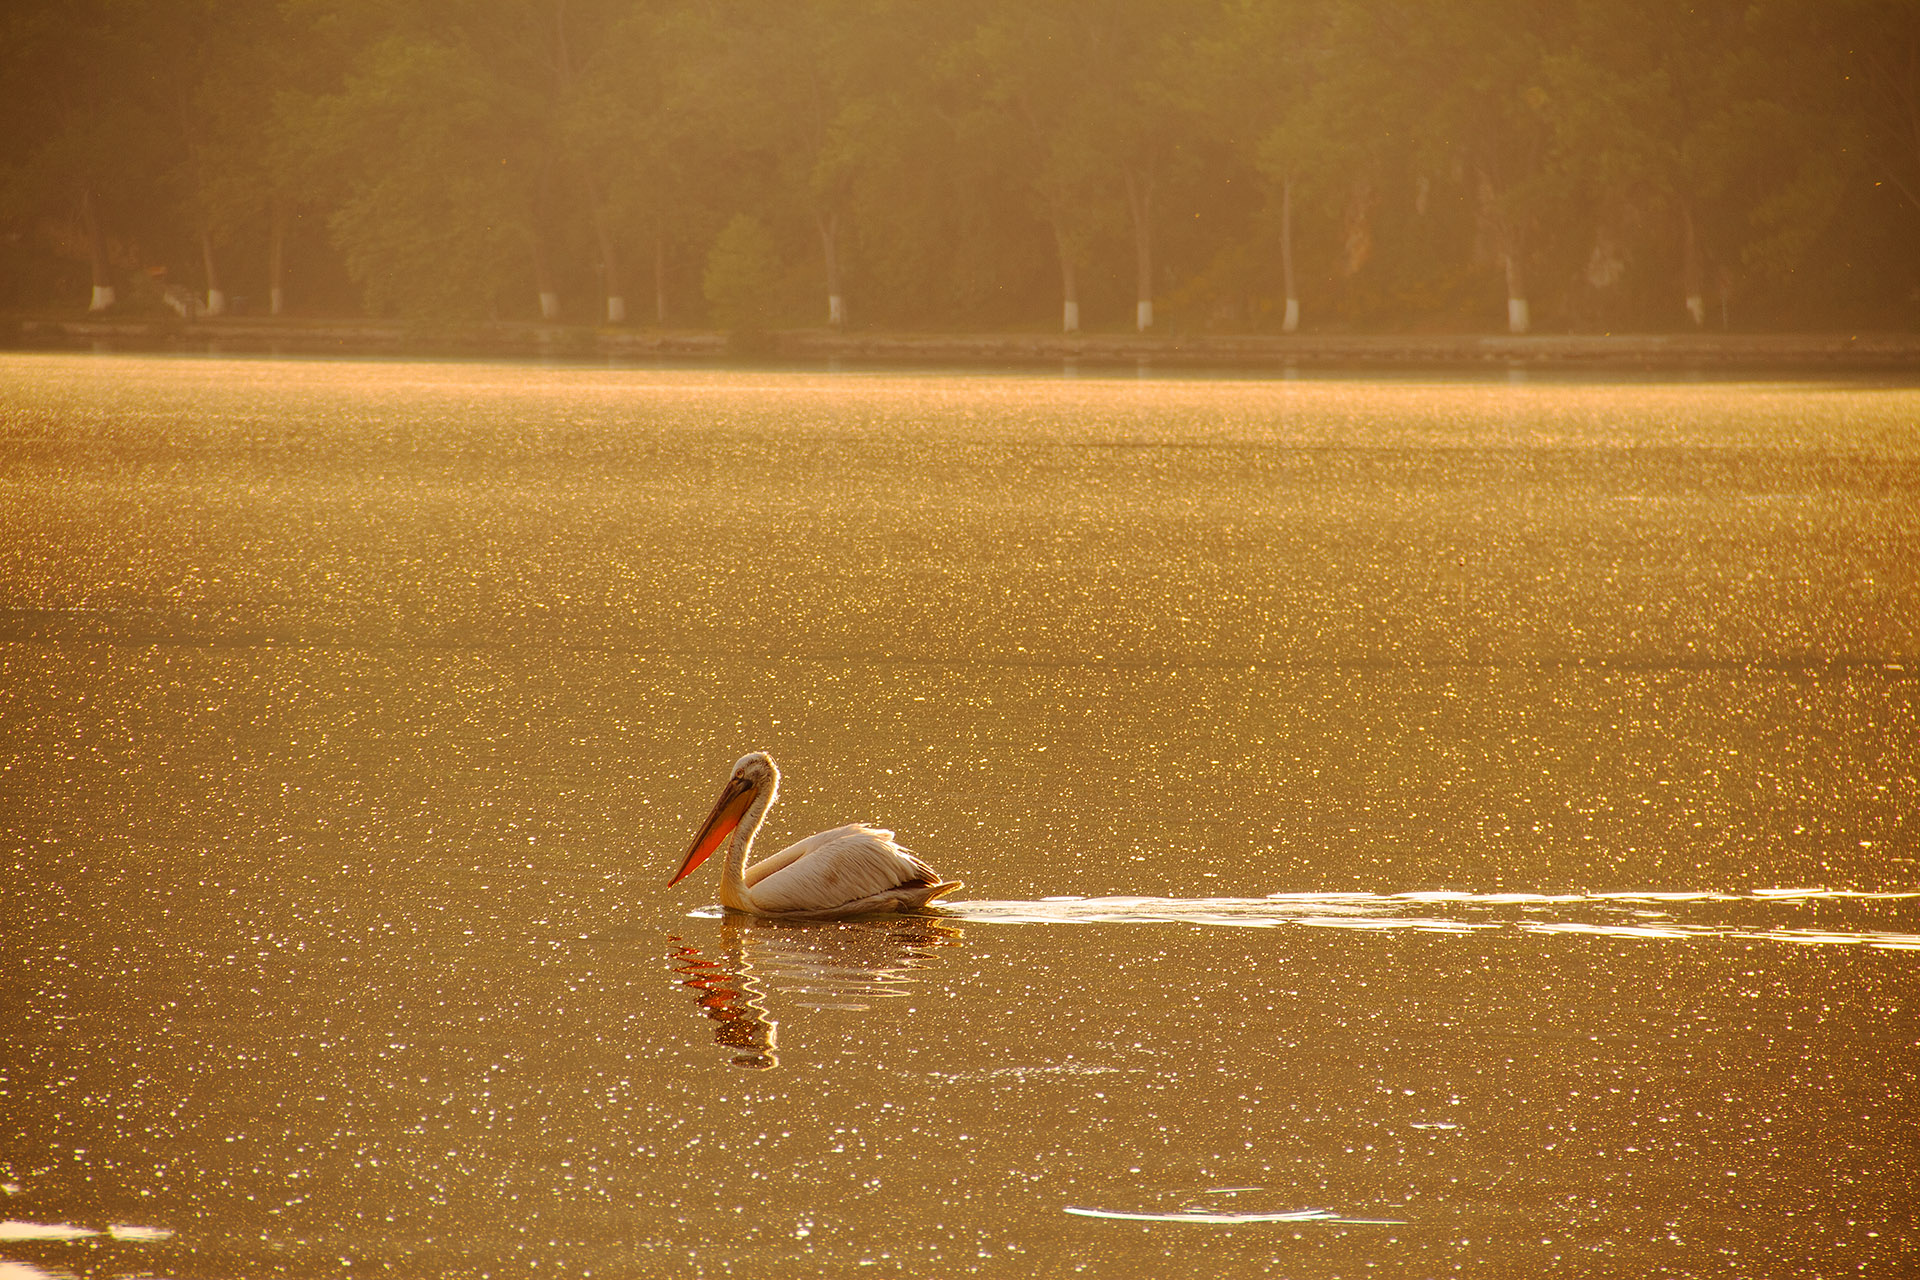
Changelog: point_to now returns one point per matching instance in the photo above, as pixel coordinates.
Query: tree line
(1243, 165)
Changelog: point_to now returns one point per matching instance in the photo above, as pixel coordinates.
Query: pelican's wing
(801, 848)
(836, 869)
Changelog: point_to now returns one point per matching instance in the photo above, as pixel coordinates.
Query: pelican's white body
(848, 871)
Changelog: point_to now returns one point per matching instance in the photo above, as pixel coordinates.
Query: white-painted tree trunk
(1069, 282)
(660, 278)
(1140, 205)
(829, 224)
(1518, 318)
(216, 296)
(1693, 269)
(277, 258)
(545, 289)
(612, 279)
(1291, 323)
(103, 295)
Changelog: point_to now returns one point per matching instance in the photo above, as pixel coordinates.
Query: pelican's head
(758, 768)
(754, 776)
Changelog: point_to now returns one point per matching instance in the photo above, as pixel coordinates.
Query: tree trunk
(1358, 220)
(277, 259)
(610, 279)
(1693, 273)
(1292, 321)
(1518, 319)
(103, 297)
(1140, 205)
(543, 280)
(216, 296)
(829, 236)
(616, 296)
(1499, 240)
(660, 277)
(1069, 285)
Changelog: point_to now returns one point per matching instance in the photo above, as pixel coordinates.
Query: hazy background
(1616, 164)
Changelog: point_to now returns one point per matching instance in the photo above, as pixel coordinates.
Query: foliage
(743, 271)
(963, 163)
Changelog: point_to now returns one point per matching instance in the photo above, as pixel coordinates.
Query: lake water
(1411, 827)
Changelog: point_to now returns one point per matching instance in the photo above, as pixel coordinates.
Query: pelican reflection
(729, 995)
(845, 965)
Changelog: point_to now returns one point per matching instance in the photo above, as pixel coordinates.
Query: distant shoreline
(1800, 352)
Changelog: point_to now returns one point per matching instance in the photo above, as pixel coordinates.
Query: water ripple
(1229, 1219)
(1643, 915)
(1196, 1211)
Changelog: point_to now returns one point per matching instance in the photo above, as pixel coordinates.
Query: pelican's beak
(727, 812)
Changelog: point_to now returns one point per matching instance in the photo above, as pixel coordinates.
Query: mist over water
(1483, 812)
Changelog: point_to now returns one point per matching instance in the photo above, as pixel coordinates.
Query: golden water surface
(1411, 827)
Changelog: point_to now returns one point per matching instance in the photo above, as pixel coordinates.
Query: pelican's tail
(923, 894)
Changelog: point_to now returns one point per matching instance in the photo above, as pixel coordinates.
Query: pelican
(848, 871)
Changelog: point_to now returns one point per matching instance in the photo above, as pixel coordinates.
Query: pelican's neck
(733, 876)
